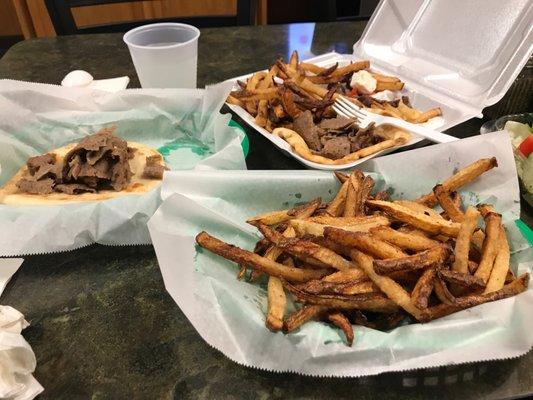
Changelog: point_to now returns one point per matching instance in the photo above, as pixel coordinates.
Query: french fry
(262, 113)
(447, 204)
(352, 67)
(433, 257)
(462, 178)
(442, 292)
(255, 94)
(423, 288)
(366, 301)
(306, 249)
(276, 304)
(300, 317)
(233, 100)
(364, 242)
(336, 206)
(255, 261)
(353, 196)
(417, 207)
(385, 78)
(304, 227)
(276, 217)
(418, 220)
(294, 61)
(341, 177)
(350, 275)
(312, 68)
(490, 246)
(347, 288)
(501, 264)
(393, 290)
(366, 190)
(462, 279)
(383, 85)
(462, 243)
(339, 319)
(407, 241)
(376, 220)
(512, 289)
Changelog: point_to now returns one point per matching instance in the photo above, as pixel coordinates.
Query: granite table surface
(102, 324)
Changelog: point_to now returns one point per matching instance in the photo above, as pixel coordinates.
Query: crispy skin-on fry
(336, 206)
(256, 94)
(447, 204)
(418, 220)
(461, 178)
(353, 196)
(350, 275)
(276, 304)
(347, 288)
(461, 279)
(462, 244)
(300, 317)
(262, 113)
(382, 85)
(490, 246)
(315, 69)
(353, 67)
(339, 320)
(364, 242)
(242, 272)
(294, 60)
(287, 100)
(306, 249)
(423, 288)
(377, 220)
(277, 217)
(233, 100)
(304, 227)
(512, 289)
(417, 207)
(393, 290)
(501, 264)
(366, 301)
(255, 261)
(442, 292)
(385, 78)
(433, 257)
(366, 190)
(341, 176)
(403, 240)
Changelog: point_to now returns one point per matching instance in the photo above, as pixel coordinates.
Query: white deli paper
(229, 314)
(184, 125)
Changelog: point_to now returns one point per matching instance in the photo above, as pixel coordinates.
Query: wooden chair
(63, 20)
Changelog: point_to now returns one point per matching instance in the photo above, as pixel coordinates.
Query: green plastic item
(525, 230)
(245, 142)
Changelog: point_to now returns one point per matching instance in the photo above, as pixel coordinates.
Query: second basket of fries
(358, 273)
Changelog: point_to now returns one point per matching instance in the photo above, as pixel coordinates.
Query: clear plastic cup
(165, 55)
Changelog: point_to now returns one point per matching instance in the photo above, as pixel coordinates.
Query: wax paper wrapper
(229, 314)
(184, 125)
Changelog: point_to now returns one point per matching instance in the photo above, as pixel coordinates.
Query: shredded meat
(336, 148)
(153, 168)
(306, 128)
(36, 187)
(99, 161)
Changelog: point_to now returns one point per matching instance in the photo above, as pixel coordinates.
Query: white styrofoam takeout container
(461, 56)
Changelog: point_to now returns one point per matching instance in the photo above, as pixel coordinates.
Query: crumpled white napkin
(17, 360)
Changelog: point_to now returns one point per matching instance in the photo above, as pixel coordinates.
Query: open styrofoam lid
(467, 50)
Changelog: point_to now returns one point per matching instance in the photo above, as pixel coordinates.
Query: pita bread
(10, 194)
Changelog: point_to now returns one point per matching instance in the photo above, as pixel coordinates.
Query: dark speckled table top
(102, 324)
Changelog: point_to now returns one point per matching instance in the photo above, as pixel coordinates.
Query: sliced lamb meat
(99, 161)
(306, 128)
(44, 186)
(362, 139)
(73, 188)
(153, 169)
(34, 163)
(336, 148)
(337, 124)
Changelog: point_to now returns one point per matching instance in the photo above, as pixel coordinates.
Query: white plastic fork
(346, 108)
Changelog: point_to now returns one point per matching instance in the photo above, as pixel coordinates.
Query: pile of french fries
(367, 260)
(278, 96)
